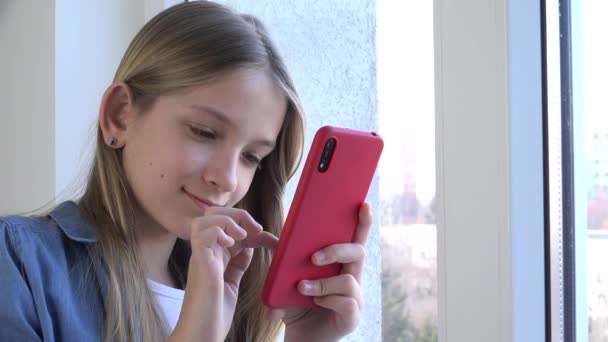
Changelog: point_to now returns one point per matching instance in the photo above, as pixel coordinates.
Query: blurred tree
(428, 332)
(396, 326)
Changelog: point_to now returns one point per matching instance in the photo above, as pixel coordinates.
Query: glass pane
(554, 169)
(591, 46)
(407, 170)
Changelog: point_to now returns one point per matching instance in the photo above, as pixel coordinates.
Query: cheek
(188, 161)
(144, 171)
(245, 180)
(148, 169)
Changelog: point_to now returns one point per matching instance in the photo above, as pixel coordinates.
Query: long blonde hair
(187, 45)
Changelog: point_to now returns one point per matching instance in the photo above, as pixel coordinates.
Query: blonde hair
(187, 45)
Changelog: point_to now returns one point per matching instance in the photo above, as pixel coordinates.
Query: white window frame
(489, 170)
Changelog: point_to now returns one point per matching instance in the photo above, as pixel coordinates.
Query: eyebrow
(219, 116)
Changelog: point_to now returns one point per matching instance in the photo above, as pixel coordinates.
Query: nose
(221, 171)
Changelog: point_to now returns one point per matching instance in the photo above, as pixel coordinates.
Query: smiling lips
(200, 203)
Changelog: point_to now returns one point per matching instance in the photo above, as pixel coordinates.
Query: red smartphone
(325, 210)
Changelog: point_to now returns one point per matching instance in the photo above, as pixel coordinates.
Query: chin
(183, 233)
(185, 237)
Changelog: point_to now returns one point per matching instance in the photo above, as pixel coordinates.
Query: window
(590, 71)
(578, 168)
(407, 170)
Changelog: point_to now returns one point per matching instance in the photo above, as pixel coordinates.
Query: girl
(198, 136)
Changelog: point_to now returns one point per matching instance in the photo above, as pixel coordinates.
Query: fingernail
(309, 287)
(320, 258)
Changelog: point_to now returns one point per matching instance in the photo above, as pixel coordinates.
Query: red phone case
(324, 212)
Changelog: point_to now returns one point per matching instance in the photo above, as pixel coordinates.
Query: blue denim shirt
(48, 290)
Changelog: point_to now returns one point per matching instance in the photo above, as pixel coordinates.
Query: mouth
(199, 202)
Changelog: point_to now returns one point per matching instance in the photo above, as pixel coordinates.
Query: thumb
(237, 266)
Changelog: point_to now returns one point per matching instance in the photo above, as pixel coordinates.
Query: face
(201, 147)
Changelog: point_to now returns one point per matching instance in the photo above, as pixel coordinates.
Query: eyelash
(253, 160)
(202, 133)
(249, 158)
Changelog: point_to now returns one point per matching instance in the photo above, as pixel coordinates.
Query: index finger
(256, 236)
(361, 234)
(262, 239)
(240, 216)
(364, 225)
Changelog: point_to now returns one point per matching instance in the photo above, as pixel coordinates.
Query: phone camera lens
(328, 151)
(331, 143)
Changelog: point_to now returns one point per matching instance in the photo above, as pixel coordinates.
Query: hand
(222, 244)
(339, 297)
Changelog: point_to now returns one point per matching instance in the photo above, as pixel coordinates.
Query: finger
(226, 223)
(339, 253)
(262, 239)
(269, 240)
(240, 216)
(210, 244)
(237, 266)
(346, 309)
(224, 240)
(255, 235)
(343, 285)
(206, 238)
(364, 225)
(361, 235)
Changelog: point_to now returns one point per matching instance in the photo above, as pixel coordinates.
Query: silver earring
(112, 142)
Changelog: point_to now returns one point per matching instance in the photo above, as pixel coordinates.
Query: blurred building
(600, 160)
(597, 208)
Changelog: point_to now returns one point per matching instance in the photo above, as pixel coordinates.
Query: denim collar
(73, 222)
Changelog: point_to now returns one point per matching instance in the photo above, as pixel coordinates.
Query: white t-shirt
(169, 299)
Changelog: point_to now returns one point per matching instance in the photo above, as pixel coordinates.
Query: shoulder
(43, 242)
(50, 252)
(44, 263)
(23, 238)
(13, 226)
(18, 231)
(66, 221)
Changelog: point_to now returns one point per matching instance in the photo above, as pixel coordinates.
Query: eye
(203, 132)
(252, 159)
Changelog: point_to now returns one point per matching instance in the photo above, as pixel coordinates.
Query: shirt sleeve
(18, 318)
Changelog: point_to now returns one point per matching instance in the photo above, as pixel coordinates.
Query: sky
(406, 96)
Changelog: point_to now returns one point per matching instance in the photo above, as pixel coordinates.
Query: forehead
(247, 99)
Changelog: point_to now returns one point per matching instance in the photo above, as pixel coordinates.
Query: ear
(117, 110)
